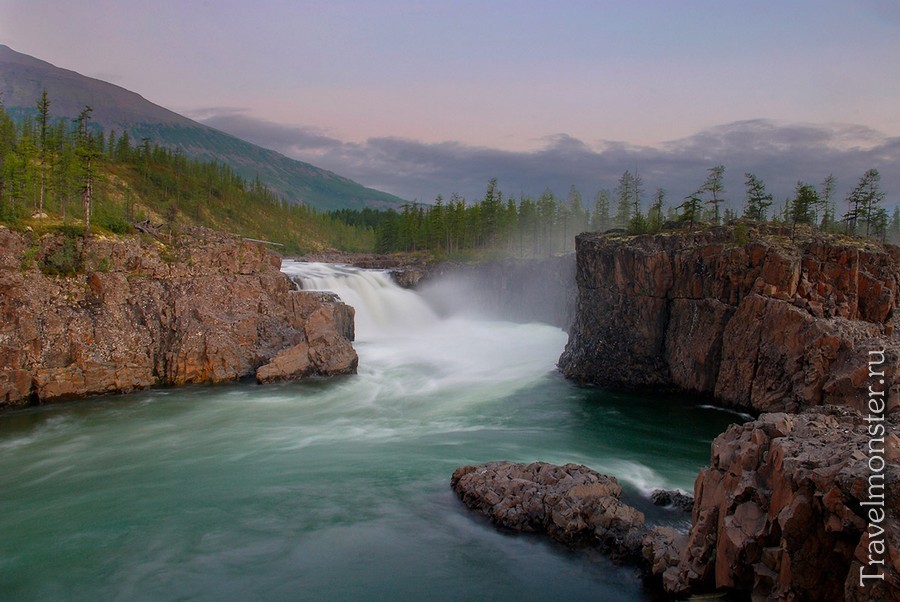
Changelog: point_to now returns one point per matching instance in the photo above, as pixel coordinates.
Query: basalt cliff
(745, 315)
(85, 316)
(802, 503)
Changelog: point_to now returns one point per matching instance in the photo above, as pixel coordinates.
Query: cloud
(779, 153)
(288, 140)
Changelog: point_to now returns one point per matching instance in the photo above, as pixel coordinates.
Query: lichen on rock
(573, 504)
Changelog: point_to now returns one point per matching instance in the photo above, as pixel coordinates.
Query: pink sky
(499, 74)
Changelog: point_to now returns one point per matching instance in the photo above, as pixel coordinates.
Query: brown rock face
(573, 504)
(770, 325)
(209, 308)
(328, 327)
(793, 507)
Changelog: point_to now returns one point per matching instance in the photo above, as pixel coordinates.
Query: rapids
(332, 489)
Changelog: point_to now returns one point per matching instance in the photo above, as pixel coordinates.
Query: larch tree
(600, 217)
(715, 187)
(758, 200)
(863, 200)
(86, 152)
(802, 210)
(624, 199)
(43, 116)
(655, 214)
(826, 196)
(690, 209)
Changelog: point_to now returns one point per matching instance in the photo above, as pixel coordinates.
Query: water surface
(332, 489)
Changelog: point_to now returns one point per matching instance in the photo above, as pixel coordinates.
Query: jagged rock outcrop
(134, 313)
(793, 507)
(770, 324)
(573, 504)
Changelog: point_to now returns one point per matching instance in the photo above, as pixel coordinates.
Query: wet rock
(409, 276)
(572, 503)
(673, 498)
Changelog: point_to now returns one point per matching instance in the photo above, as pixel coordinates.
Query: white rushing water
(331, 489)
(406, 349)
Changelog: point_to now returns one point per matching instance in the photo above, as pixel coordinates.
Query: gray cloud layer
(780, 154)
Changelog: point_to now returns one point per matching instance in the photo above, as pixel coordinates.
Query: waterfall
(381, 306)
(404, 344)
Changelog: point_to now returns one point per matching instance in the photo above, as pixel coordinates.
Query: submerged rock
(675, 499)
(573, 504)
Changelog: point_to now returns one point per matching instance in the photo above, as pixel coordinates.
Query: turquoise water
(331, 489)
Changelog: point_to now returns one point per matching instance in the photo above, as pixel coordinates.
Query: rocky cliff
(89, 316)
(743, 314)
(794, 507)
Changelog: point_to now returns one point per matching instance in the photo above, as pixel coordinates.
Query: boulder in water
(673, 499)
(573, 504)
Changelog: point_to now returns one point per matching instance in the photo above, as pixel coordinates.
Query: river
(333, 489)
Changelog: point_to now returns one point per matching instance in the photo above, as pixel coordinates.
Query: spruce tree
(715, 187)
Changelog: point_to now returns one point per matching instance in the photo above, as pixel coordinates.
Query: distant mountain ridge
(23, 77)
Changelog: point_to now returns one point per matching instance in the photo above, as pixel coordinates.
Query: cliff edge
(89, 316)
(744, 314)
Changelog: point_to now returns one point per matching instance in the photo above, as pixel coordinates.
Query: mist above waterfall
(408, 346)
(517, 290)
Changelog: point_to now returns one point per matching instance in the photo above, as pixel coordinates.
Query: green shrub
(65, 260)
(112, 218)
(741, 233)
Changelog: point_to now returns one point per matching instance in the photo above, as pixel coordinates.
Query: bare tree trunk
(87, 197)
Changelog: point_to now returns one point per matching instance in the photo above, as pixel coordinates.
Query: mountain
(22, 78)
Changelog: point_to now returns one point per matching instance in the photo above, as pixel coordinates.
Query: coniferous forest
(69, 173)
(527, 227)
(72, 175)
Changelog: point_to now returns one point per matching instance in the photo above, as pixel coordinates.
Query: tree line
(74, 172)
(529, 227)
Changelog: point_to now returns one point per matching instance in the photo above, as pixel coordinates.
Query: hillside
(22, 78)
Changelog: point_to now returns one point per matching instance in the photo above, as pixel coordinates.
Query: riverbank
(88, 316)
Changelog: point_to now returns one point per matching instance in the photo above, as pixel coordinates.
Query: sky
(421, 98)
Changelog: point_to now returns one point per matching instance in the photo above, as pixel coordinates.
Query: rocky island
(86, 316)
